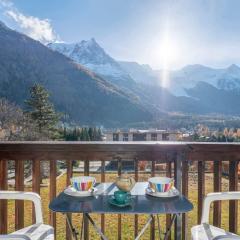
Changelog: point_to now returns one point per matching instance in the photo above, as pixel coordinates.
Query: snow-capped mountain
(92, 56)
(185, 78)
(134, 78)
(141, 73)
(230, 78)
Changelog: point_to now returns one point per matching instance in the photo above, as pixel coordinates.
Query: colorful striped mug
(160, 184)
(83, 183)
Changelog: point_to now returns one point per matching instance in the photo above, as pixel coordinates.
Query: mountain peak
(194, 67)
(89, 43)
(91, 55)
(233, 67)
(92, 40)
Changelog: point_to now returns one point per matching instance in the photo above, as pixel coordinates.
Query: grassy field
(111, 220)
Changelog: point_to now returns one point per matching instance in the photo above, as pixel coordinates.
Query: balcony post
(85, 219)
(3, 203)
(19, 186)
(233, 186)
(119, 164)
(185, 184)
(178, 159)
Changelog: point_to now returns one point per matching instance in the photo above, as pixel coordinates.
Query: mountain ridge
(76, 91)
(178, 94)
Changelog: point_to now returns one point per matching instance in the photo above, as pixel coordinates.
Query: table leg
(98, 230)
(145, 227)
(170, 226)
(72, 229)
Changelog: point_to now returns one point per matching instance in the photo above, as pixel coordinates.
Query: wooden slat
(185, 193)
(53, 175)
(168, 216)
(103, 180)
(136, 216)
(217, 187)
(119, 215)
(19, 186)
(69, 172)
(152, 228)
(201, 187)
(68, 177)
(233, 186)
(3, 203)
(36, 176)
(85, 220)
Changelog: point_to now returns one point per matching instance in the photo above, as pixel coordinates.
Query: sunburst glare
(169, 54)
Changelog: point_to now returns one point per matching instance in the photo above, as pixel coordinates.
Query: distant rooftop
(132, 130)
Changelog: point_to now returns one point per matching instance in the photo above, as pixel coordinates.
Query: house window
(125, 137)
(165, 137)
(139, 137)
(153, 137)
(115, 137)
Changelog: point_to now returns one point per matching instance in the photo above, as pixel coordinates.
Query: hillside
(76, 91)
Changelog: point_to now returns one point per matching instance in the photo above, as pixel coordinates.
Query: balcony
(198, 168)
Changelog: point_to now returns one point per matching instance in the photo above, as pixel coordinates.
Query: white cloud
(6, 3)
(38, 29)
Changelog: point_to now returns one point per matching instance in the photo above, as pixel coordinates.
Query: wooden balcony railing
(177, 156)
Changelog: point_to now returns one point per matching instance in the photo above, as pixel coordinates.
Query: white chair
(205, 231)
(37, 231)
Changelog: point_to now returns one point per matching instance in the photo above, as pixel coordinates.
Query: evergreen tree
(95, 134)
(99, 135)
(41, 110)
(90, 134)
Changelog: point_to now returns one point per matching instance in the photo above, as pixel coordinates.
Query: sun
(168, 51)
(165, 53)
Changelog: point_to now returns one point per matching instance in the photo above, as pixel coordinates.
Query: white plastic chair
(37, 231)
(205, 231)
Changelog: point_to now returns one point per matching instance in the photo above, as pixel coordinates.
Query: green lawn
(111, 220)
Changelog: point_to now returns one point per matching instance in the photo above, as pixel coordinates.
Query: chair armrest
(14, 237)
(218, 196)
(34, 197)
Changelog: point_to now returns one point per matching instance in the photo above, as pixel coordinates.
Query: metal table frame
(99, 231)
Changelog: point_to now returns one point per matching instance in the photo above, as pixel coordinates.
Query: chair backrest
(218, 196)
(34, 197)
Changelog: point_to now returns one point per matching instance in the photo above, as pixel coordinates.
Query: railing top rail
(110, 150)
(118, 143)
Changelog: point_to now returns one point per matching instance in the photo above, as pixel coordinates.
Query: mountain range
(93, 88)
(75, 90)
(191, 89)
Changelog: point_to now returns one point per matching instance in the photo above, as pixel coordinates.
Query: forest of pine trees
(81, 134)
(40, 121)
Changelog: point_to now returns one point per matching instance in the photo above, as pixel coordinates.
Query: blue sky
(162, 33)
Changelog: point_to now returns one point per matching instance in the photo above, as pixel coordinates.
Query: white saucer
(73, 192)
(171, 193)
